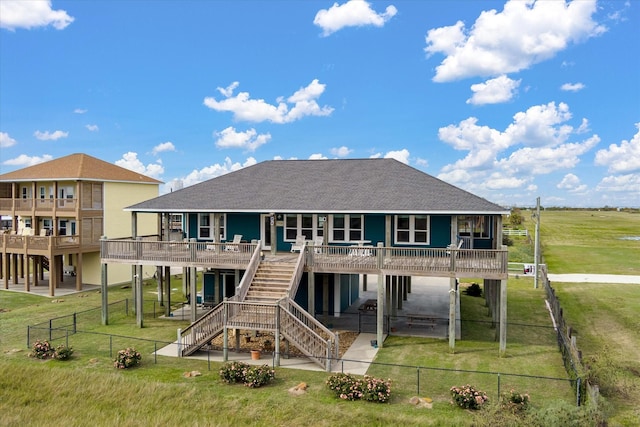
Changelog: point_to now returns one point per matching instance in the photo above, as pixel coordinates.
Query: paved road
(594, 278)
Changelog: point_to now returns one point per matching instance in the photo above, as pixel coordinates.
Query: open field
(603, 242)
(604, 316)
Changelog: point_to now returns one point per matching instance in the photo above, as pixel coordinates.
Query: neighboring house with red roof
(54, 214)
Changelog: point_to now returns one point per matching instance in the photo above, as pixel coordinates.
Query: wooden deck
(436, 262)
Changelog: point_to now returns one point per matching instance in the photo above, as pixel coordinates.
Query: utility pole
(536, 253)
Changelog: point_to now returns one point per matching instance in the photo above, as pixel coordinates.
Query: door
(267, 221)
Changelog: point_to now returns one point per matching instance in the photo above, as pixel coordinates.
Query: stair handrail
(314, 345)
(211, 323)
(311, 323)
(250, 272)
(297, 275)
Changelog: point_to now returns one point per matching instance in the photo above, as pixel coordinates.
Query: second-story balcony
(439, 262)
(25, 206)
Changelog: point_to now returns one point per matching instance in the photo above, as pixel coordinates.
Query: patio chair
(299, 244)
(234, 246)
(453, 247)
(317, 242)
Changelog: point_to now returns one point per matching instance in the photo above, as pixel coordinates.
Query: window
(304, 224)
(412, 229)
(474, 226)
(205, 227)
(42, 193)
(66, 227)
(65, 192)
(25, 193)
(346, 228)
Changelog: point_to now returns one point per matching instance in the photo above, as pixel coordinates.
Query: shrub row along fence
(571, 355)
(406, 380)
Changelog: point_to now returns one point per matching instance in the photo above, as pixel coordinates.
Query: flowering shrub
(233, 372)
(62, 352)
(257, 376)
(348, 387)
(250, 376)
(127, 358)
(468, 397)
(515, 401)
(376, 390)
(41, 350)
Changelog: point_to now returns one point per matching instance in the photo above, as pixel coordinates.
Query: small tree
(516, 218)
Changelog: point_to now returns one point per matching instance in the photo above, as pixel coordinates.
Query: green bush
(233, 372)
(62, 352)
(474, 290)
(127, 358)
(257, 376)
(348, 387)
(250, 376)
(514, 401)
(468, 397)
(41, 350)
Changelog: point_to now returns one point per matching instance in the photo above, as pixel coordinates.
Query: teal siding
(246, 224)
(374, 228)
(440, 231)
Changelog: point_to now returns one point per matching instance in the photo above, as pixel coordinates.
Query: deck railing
(23, 244)
(487, 263)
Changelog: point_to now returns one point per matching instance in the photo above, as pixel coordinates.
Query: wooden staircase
(271, 282)
(267, 299)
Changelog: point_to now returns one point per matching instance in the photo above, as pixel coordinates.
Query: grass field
(88, 387)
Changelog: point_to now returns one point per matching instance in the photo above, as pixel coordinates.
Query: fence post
(75, 320)
(578, 383)
(155, 352)
(418, 373)
(50, 326)
(126, 306)
(111, 346)
(28, 336)
(67, 337)
(498, 386)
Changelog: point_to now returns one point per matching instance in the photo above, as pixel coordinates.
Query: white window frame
(316, 229)
(347, 228)
(412, 230)
(211, 236)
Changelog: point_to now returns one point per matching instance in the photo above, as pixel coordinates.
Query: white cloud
(130, 161)
(80, 110)
(24, 160)
(257, 110)
(163, 147)
(248, 140)
(50, 136)
(572, 87)
(33, 13)
(494, 91)
(317, 156)
(535, 143)
(341, 151)
(523, 34)
(621, 158)
(571, 183)
(354, 13)
(399, 155)
(213, 171)
(422, 162)
(92, 128)
(6, 140)
(622, 183)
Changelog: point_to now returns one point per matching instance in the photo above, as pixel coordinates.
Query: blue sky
(509, 100)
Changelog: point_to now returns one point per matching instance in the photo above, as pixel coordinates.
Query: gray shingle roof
(323, 186)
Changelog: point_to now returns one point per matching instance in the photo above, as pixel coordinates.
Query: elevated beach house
(282, 240)
(54, 214)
